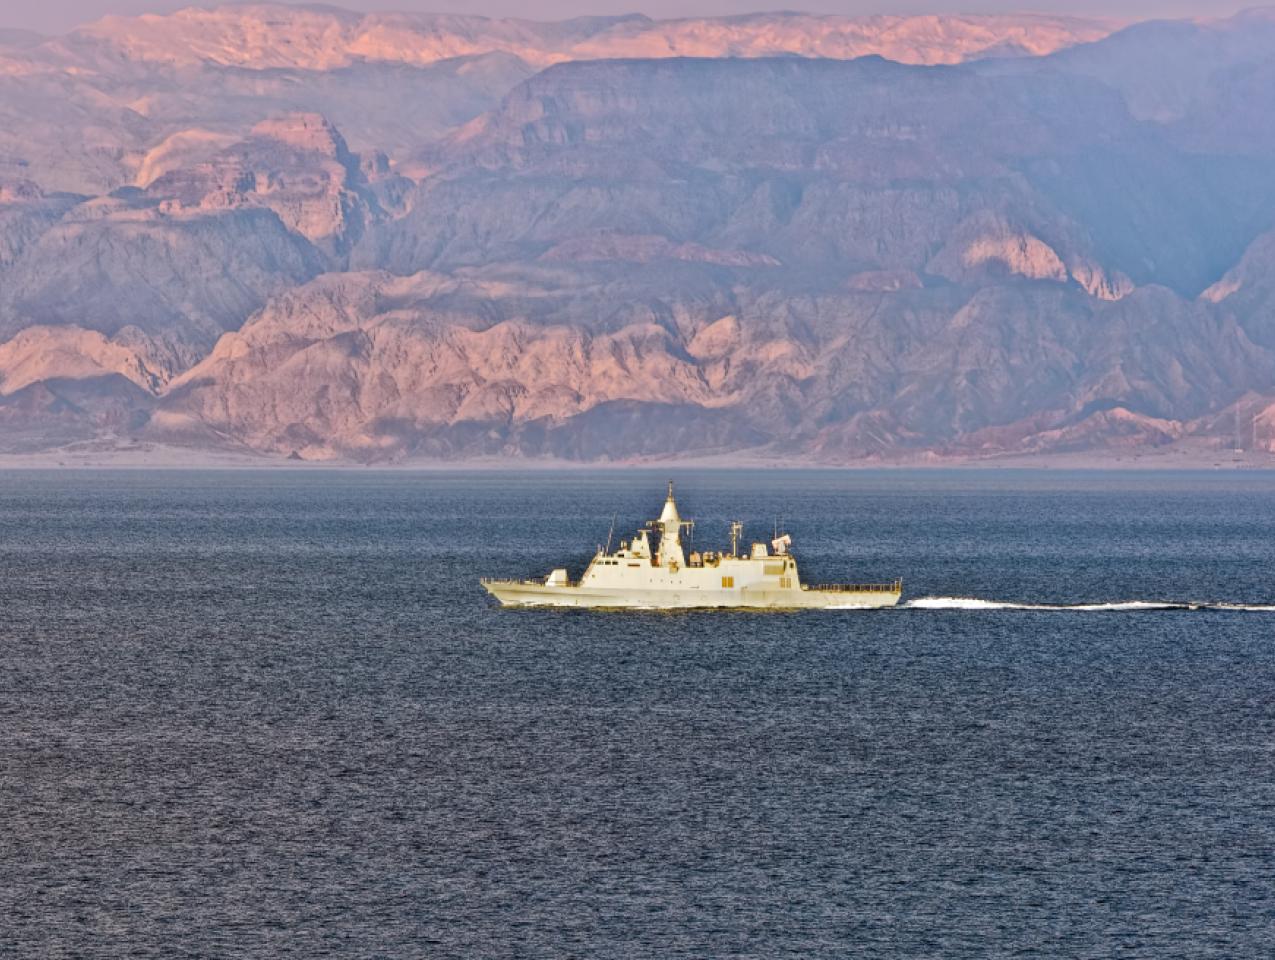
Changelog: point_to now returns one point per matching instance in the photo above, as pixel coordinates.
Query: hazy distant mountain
(390, 82)
(269, 36)
(939, 250)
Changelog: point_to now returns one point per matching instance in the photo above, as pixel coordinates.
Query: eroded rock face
(1248, 288)
(373, 366)
(181, 278)
(366, 363)
(25, 214)
(164, 271)
(51, 413)
(297, 166)
(71, 353)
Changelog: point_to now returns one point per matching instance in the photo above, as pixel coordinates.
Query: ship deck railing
(895, 587)
(538, 582)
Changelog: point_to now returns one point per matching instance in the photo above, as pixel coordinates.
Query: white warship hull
(533, 593)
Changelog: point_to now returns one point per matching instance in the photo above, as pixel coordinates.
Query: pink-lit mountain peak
(263, 36)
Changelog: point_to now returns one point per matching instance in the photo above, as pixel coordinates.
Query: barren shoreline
(139, 456)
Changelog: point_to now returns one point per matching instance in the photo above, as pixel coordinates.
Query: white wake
(1127, 606)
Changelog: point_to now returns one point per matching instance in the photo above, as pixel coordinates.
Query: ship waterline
(637, 577)
(534, 593)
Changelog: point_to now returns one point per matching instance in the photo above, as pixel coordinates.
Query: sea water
(273, 714)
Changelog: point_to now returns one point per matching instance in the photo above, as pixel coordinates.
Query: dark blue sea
(272, 714)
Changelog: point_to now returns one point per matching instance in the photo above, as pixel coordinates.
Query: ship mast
(671, 525)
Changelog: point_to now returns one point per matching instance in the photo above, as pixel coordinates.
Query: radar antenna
(736, 531)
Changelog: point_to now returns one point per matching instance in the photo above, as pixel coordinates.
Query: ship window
(728, 583)
(785, 583)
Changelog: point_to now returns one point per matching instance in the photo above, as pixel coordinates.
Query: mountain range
(311, 233)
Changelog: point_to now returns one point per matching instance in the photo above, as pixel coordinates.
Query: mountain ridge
(818, 258)
(328, 37)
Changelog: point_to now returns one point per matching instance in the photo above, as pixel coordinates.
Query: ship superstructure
(638, 575)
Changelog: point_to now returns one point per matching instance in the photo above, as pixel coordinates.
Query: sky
(56, 16)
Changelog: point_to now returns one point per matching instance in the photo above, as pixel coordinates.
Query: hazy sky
(52, 16)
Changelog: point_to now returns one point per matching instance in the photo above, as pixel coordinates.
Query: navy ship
(662, 576)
